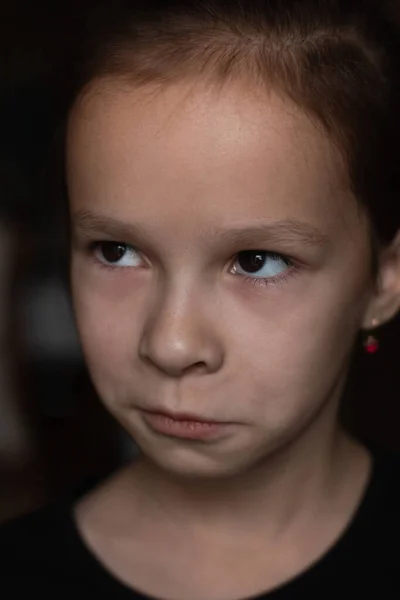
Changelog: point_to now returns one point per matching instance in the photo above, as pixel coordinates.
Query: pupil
(113, 251)
(251, 260)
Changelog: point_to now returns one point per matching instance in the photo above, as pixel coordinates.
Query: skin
(172, 173)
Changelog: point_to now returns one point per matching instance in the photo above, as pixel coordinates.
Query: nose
(178, 338)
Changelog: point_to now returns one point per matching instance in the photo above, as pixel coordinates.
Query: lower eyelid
(274, 280)
(103, 265)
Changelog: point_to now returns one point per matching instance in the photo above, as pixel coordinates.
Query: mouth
(183, 425)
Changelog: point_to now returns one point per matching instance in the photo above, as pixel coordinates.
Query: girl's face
(219, 268)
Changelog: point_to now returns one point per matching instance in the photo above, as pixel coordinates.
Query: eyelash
(292, 271)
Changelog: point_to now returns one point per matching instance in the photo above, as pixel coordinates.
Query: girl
(232, 178)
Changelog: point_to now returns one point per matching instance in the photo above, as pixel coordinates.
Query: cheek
(108, 317)
(292, 348)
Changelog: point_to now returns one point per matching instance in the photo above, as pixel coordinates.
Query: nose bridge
(177, 309)
(178, 334)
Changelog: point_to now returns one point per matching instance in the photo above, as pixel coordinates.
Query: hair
(338, 60)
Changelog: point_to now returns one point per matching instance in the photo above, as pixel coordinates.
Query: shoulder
(32, 538)
(378, 520)
(385, 482)
(42, 552)
(382, 498)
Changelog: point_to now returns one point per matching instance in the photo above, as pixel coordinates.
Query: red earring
(371, 344)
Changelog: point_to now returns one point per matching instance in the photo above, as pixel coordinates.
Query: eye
(260, 264)
(117, 254)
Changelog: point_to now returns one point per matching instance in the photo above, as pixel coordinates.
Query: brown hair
(337, 59)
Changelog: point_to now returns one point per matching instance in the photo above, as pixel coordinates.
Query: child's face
(175, 318)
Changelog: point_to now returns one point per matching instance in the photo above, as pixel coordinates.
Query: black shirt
(43, 556)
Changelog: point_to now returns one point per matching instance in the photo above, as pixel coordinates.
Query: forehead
(187, 146)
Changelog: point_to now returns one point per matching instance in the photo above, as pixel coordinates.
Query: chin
(196, 462)
(196, 469)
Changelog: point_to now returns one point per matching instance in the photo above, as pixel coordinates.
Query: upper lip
(180, 416)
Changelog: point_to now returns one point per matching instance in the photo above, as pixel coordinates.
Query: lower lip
(190, 430)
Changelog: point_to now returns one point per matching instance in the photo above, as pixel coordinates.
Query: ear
(385, 302)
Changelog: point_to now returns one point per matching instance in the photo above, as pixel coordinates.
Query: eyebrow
(286, 231)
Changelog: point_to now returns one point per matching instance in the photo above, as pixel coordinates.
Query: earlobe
(385, 303)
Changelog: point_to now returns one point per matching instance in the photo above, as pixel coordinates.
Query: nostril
(198, 367)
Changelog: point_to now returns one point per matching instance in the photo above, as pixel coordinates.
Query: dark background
(53, 430)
